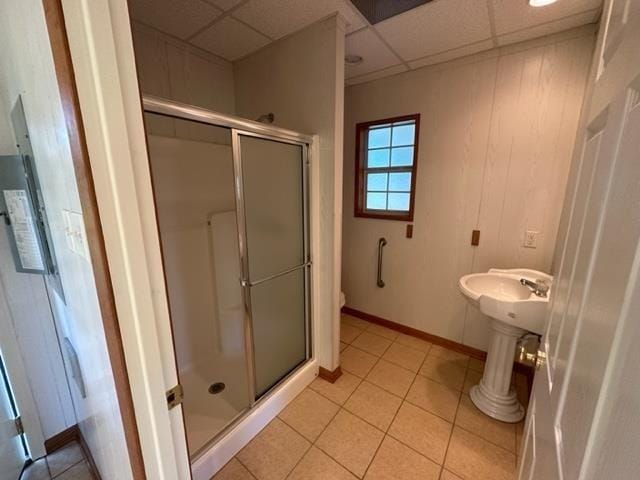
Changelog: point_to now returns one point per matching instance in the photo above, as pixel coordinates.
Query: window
(386, 157)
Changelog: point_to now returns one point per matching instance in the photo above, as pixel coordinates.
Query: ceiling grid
(434, 32)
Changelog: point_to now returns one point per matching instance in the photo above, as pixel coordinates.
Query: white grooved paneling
(230, 39)
(277, 18)
(497, 133)
(180, 18)
(376, 55)
(435, 27)
(550, 28)
(511, 15)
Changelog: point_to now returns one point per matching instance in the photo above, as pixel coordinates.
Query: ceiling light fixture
(351, 59)
(541, 3)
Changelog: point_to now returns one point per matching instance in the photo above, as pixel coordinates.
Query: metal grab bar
(381, 243)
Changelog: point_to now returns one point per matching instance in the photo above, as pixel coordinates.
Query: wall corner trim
(330, 375)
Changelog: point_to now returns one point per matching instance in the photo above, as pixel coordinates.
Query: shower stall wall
(233, 215)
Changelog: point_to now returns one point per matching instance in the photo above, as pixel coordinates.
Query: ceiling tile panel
(437, 26)
(375, 54)
(230, 39)
(180, 18)
(368, 77)
(224, 4)
(549, 28)
(512, 15)
(277, 18)
(452, 54)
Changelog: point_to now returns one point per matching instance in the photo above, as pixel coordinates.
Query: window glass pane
(376, 181)
(376, 201)
(401, 157)
(400, 182)
(378, 158)
(399, 201)
(404, 134)
(379, 137)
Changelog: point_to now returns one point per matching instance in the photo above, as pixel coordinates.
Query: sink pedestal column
(494, 395)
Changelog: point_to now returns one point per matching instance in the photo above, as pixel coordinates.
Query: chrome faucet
(539, 287)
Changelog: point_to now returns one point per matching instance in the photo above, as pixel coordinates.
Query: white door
(12, 453)
(591, 322)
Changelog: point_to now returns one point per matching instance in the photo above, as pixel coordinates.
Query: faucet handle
(542, 286)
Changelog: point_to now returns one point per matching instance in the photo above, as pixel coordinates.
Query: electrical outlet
(531, 239)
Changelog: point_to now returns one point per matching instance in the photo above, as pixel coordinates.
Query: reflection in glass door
(276, 255)
(193, 179)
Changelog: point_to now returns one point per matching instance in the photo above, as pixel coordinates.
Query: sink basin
(500, 295)
(515, 310)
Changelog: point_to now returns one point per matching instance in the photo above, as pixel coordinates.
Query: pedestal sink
(514, 309)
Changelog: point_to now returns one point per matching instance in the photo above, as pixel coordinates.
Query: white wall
(172, 69)
(32, 320)
(497, 133)
(26, 67)
(300, 79)
(191, 180)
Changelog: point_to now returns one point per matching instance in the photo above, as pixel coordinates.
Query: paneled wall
(26, 68)
(172, 69)
(497, 133)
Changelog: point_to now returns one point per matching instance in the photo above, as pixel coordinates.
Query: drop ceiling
(434, 32)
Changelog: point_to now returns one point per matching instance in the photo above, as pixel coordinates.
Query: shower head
(266, 118)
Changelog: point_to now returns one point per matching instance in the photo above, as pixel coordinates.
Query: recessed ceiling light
(351, 59)
(541, 3)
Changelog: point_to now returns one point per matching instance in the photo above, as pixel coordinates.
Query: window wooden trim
(360, 163)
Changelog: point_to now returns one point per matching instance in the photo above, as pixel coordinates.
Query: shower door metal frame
(246, 281)
(240, 126)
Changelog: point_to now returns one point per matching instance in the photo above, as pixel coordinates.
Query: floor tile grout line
(347, 411)
(83, 459)
(327, 426)
(484, 439)
(311, 444)
(453, 426)
(386, 434)
(403, 398)
(240, 461)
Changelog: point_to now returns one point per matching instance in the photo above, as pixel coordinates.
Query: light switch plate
(79, 236)
(531, 239)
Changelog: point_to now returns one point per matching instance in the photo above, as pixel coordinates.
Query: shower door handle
(249, 283)
(381, 243)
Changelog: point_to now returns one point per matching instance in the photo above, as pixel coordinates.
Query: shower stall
(232, 203)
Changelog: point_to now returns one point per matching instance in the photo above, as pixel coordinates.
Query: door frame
(55, 22)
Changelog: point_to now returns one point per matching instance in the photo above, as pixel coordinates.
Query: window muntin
(387, 154)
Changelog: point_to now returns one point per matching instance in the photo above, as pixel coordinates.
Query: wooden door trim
(95, 241)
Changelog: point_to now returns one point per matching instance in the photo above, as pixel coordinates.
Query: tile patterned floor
(68, 463)
(400, 410)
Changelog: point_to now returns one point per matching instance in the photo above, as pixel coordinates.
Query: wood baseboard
(70, 435)
(414, 332)
(328, 375)
(518, 367)
(61, 439)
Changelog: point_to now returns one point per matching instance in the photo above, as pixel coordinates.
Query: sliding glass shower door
(232, 210)
(275, 256)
